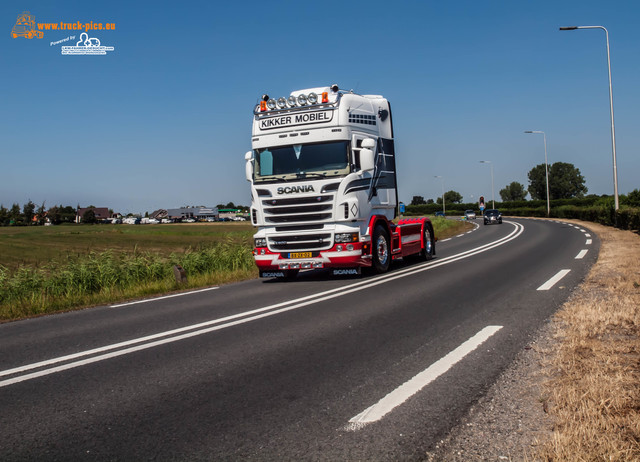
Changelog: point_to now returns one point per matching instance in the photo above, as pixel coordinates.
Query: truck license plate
(300, 255)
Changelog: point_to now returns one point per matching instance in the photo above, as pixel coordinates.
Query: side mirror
(368, 143)
(366, 159)
(248, 167)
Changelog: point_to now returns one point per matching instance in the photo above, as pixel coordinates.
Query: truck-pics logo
(26, 27)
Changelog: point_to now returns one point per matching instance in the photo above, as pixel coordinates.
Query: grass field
(37, 246)
(57, 268)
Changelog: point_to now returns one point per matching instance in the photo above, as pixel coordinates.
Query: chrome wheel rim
(383, 250)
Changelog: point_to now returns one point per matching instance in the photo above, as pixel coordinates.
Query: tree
(417, 200)
(68, 214)
(28, 210)
(230, 205)
(565, 181)
(54, 215)
(89, 216)
(41, 214)
(633, 198)
(4, 216)
(429, 201)
(15, 217)
(513, 192)
(451, 197)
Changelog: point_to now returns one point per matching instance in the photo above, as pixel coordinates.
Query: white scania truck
(323, 185)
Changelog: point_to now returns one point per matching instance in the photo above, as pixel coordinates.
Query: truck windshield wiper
(274, 179)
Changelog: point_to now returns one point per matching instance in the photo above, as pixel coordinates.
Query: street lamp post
(546, 166)
(441, 179)
(613, 130)
(493, 196)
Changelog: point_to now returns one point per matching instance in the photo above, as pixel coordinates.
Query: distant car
(439, 214)
(492, 216)
(470, 214)
(189, 220)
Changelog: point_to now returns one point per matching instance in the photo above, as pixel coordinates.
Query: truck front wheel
(380, 250)
(427, 252)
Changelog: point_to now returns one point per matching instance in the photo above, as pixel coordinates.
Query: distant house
(228, 214)
(101, 213)
(196, 213)
(159, 214)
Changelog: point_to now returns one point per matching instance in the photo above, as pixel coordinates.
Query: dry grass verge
(594, 387)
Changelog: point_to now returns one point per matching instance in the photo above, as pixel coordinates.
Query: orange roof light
(263, 106)
(325, 97)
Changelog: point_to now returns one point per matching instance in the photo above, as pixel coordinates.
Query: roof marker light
(325, 97)
(282, 102)
(292, 101)
(312, 98)
(271, 104)
(263, 106)
(302, 100)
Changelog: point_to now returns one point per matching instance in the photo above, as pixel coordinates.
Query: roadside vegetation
(593, 392)
(57, 268)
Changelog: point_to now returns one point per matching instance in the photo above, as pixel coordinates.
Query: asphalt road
(321, 368)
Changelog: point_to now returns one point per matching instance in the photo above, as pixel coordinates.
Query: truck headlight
(346, 237)
(260, 242)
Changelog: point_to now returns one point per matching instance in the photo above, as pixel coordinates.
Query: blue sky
(165, 119)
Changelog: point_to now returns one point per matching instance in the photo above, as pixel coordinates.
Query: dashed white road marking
(589, 241)
(587, 235)
(554, 280)
(417, 383)
(581, 254)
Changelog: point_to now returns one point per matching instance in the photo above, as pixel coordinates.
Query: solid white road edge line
(581, 254)
(554, 280)
(163, 297)
(248, 316)
(417, 383)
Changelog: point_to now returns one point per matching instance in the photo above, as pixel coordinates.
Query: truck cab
(323, 180)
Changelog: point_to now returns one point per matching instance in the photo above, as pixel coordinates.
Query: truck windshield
(286, 163)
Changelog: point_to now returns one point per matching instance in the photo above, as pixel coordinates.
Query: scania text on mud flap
(323, 185)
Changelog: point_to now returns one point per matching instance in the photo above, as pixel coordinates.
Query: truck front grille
(299, 209)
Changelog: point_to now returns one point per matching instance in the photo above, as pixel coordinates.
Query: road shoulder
(529, 413)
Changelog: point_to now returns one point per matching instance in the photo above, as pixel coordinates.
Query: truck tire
(427, 252)
(380, 250)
